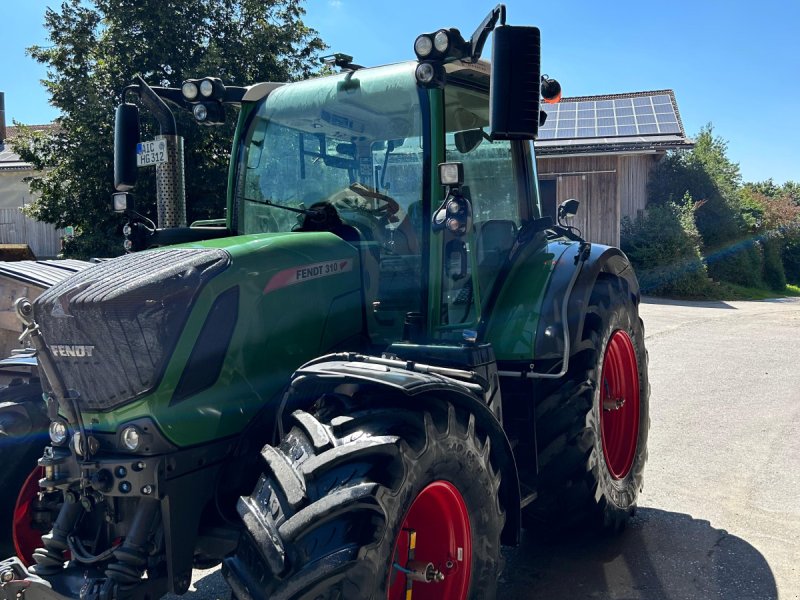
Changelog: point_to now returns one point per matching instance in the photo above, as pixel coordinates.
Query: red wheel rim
(439, 521)
(619, 404)
(26, 537)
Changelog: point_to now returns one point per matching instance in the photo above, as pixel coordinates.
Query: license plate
(151, 153)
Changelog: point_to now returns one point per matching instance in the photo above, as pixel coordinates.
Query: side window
(489, 177)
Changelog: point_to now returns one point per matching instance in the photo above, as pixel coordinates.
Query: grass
(730, 291)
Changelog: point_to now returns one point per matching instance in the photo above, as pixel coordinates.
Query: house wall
(14, 191)
(608, 188)
(15, 228)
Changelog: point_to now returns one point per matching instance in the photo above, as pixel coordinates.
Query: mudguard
(549, 346)
(348, 373)
(525, 324)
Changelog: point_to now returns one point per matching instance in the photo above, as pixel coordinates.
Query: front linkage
(120, 515)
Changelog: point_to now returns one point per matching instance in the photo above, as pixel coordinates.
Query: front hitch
(18, 583)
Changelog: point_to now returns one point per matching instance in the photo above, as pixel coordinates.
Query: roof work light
(205, 97)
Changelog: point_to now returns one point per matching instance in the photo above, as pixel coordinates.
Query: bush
(740, 262)
(663, 246)
(773, 275)
(791, 257)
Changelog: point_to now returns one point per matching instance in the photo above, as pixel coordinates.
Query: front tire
(346, 497)
(592, 425)
(23, 437)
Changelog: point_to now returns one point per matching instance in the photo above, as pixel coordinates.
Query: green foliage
(725, 221)
(663, 245)
(97, 46)
(774, 275)
(768, 188)
(790, 255)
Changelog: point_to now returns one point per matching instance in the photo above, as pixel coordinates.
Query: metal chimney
(2, 117)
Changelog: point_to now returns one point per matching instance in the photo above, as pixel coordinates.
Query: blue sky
(735, 64)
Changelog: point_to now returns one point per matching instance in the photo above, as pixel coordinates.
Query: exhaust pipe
(170, 176)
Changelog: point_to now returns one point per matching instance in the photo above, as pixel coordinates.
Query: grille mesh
(112, 327)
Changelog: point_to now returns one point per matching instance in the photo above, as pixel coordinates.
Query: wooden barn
(600, 150)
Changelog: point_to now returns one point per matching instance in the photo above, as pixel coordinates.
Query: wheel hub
(433, 553)
(25, 536)
(619, 397)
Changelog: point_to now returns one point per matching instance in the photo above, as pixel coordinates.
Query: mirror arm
(159, 108)
(478, 39)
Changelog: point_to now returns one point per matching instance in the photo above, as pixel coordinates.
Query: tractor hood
(112, 327)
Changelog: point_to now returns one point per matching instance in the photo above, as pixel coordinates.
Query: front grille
(112, 327)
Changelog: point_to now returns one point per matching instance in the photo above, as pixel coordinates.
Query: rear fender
(549, 343)
(343, 376)
(524, 320)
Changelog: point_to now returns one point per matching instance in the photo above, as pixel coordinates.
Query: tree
(96, 48)
(726, 224)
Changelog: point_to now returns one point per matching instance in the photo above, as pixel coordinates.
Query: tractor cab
(357, 154)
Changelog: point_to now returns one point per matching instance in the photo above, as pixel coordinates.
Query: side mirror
(515, 84)
(467, 141)
(126, 138)
(568, 208)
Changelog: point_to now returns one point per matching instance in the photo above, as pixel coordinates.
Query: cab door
(497, 183)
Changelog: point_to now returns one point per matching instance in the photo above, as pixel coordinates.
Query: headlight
(425, 73)
(131, 438)
(200, 112)
(58, 432)
(423, 46)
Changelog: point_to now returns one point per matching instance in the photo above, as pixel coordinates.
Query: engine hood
(111, 328)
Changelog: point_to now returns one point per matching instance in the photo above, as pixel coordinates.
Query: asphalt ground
(719, 517)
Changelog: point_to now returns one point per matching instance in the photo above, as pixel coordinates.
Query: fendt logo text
(72, 350)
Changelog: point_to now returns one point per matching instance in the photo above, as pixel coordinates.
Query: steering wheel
(386, 210)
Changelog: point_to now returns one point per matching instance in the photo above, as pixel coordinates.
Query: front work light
(189, 90)
(206, 88)
(441, 41)
(451, 173)
(122, 202)
(423, 46)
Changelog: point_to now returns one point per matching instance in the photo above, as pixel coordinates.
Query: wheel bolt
(6, 576)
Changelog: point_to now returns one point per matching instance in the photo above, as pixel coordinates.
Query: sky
(731, 63)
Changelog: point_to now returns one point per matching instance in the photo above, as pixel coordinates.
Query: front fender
(348, 374)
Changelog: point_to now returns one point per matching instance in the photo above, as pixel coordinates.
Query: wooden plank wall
(608, 187)
(593, 181)
(632, 176)
(43, 239)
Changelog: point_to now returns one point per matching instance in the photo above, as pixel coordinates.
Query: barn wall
(593, 181)
(608, 187)
(633, 174)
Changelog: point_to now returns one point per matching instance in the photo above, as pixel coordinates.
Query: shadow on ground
(687, 303)
(661, 556)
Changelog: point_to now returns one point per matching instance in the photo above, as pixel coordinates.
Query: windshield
(352, 140)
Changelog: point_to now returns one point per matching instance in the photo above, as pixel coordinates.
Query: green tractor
(363, 381)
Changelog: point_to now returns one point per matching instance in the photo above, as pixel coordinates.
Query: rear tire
(591, 451)
(23, 437)
(328, 518)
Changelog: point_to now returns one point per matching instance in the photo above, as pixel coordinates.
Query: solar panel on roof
(641, 115)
